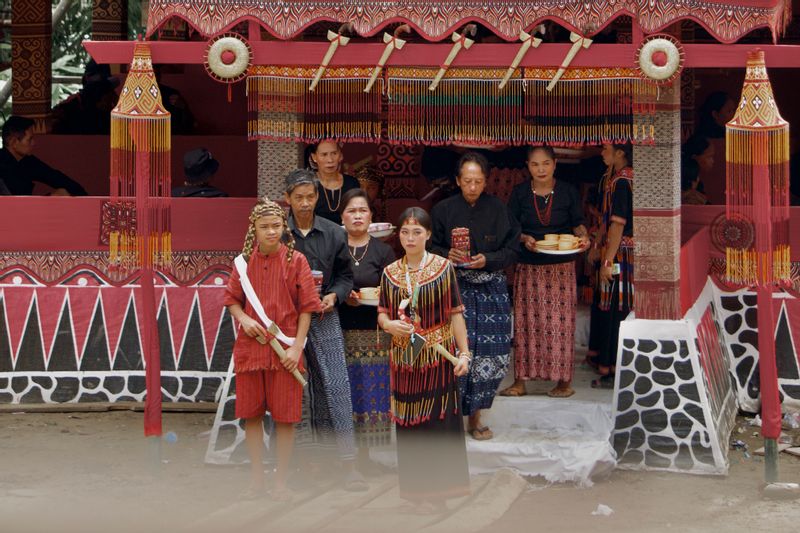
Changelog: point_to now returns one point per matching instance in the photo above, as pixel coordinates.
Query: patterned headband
(266, 207)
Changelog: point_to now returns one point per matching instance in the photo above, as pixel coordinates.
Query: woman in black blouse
(326, 158)
(367, 360)
(545, 292)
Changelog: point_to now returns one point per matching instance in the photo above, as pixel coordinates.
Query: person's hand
(352, 299)
(457, 256)
(584, 242)
(606, 273)
(252, 328)
(478, 261)
(398, 328)
(528, 242)
(462, 367)
(328, 302)
(292, 359)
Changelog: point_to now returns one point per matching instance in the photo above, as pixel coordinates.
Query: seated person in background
(717, 109)
(700, 150)
(19, 169)
(88, 112)
(198, 167)
(181, 117)
(690, 179)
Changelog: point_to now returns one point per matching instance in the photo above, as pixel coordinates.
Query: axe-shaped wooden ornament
(393, 42)
(528, 41)
(578, 42)
(336, 39)
(461, 41)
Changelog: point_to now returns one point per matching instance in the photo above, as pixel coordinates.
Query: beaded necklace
(548, 211)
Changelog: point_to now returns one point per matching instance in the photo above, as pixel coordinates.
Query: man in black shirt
(324, 244)
(493, 240)
(19, 168)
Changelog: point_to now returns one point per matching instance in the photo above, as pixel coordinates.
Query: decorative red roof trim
(435, 20)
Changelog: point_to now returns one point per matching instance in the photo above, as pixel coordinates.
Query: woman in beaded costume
(281, 280)
(613, 295)
(420, 307)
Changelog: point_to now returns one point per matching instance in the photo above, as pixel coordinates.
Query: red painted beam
(432, 54)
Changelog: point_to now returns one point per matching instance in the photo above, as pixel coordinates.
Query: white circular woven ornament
(227, 58)
(660, 59)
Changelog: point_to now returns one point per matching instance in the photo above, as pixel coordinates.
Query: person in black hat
(198, 168)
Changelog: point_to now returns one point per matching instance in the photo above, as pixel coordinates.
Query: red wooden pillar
(31, 44)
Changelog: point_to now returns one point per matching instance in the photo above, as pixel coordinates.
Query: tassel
(757, 192)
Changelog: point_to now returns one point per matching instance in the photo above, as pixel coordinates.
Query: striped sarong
(327, 408)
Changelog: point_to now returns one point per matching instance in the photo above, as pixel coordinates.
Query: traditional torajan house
(460, 72)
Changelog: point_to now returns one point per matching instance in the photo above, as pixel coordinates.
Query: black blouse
(367, 273)
(566, 214)
(622, 204)
(329, 201)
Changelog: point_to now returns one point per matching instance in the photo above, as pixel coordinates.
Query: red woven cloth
(286, 289)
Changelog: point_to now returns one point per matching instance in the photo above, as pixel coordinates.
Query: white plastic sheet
(560, 440)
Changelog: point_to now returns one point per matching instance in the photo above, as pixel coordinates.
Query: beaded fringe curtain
(466, 107)
(757, 158)
(588, 106)
(140, 171)
(282, 108)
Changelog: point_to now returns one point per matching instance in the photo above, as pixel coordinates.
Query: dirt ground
(94, 472)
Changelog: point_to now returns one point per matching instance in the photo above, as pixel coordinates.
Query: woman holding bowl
(367, 357)
(545, 291)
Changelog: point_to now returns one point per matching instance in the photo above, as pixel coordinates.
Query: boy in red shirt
(281, 281)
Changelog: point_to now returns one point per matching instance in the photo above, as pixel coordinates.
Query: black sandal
(603, 382)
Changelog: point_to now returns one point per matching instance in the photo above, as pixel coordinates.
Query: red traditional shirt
(286, 289)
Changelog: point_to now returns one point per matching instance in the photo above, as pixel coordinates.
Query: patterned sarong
(544, 321)
(368, 370)
(328, 410)
(487, 312)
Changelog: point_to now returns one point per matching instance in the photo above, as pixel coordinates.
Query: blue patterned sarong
(327, 408)
(487, 312)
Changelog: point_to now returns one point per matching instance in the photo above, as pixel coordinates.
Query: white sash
(255, 303)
